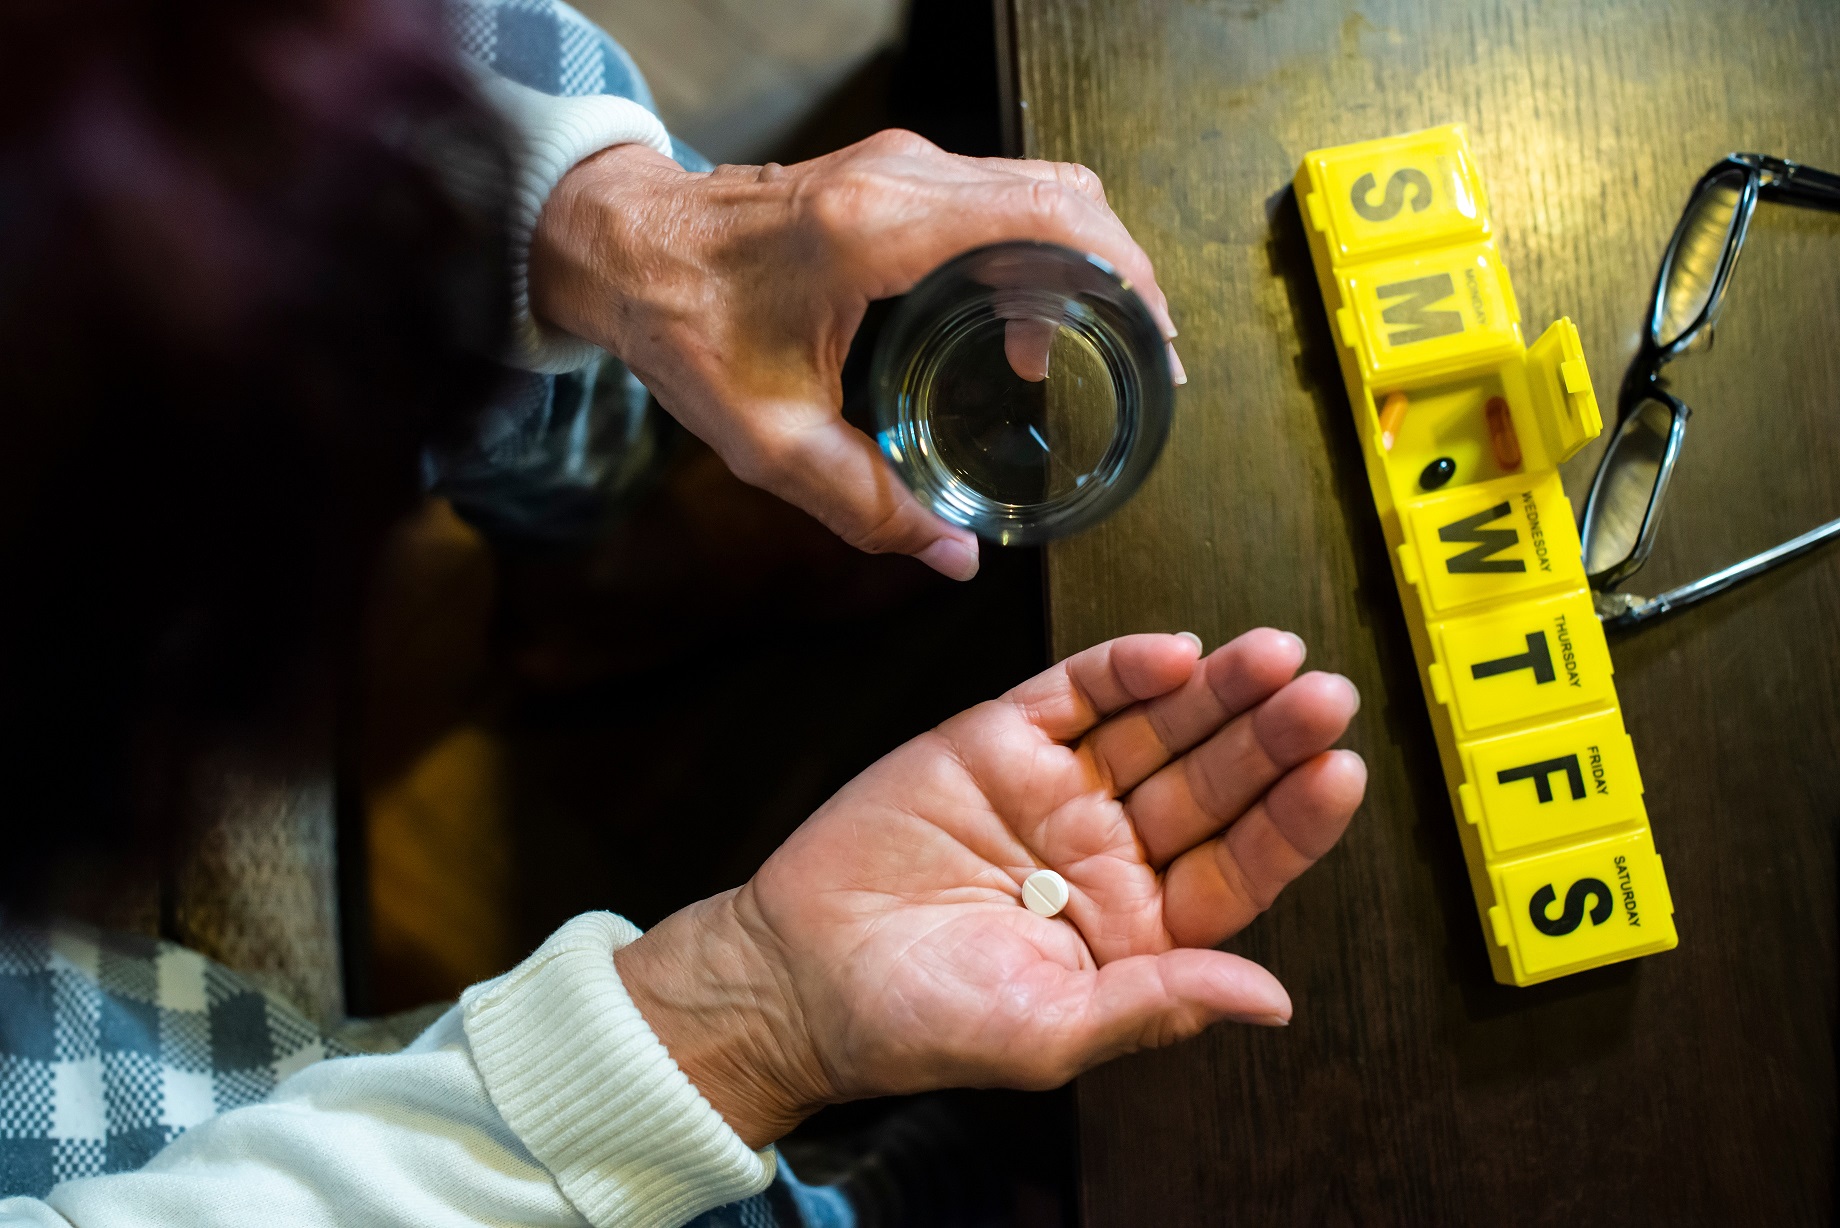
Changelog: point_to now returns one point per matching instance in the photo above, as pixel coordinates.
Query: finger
(837, 474)
(1148, 1001)
(1212, 892)
(946, 205)
(1077, 220)
(1195, 796)
(1084, 181)
(1234, 677)
(959, 216)
(1081, 179)
(1026, 344)
(1069, 699)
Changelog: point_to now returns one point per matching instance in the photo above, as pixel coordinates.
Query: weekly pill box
(1542, 774)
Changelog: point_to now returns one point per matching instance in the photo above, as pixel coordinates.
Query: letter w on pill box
(1512, 658)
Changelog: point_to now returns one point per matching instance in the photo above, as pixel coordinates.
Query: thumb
(1148, 1001)
(1027, 344)
(837, 474)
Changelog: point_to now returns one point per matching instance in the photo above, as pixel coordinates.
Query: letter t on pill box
(1464, 473)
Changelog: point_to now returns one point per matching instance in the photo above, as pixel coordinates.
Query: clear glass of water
(1023, 391)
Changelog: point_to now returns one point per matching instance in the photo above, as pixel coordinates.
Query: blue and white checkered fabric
(548, 46)
(112, 1045)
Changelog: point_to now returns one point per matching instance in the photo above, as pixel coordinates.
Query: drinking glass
(1022, 390)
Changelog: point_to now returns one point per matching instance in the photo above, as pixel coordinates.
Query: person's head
(237, 293)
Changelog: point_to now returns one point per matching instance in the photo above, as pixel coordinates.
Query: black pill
(1437, 473)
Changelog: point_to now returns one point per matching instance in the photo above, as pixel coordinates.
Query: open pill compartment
(1463, 427)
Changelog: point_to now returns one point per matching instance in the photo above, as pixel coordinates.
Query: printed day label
(1480, 543)
(1535, 659)
(1448, 310)
(1381, 196)
(1556, 782)
(1594, 902)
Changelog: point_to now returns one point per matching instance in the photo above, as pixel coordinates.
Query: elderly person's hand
(734, 296)
(884, 949)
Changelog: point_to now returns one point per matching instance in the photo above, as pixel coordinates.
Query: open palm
(1177, 797)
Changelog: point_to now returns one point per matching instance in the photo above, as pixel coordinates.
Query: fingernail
(1303, 649)
(1169, 330)
(951, 557)
(1177, 373)
(1352, 690)
(1273, 1021)
(1192, 638)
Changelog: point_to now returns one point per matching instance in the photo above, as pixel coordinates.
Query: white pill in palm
(1044, 892)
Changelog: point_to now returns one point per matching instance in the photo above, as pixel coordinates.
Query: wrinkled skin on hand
(734, 296)
(884, 949)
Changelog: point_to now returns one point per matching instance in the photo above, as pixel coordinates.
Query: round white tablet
(1045, 893)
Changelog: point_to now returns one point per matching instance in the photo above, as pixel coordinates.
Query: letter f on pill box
(1463, 427)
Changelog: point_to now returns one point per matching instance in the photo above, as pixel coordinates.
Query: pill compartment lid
(1399, 193)
(1564, 403)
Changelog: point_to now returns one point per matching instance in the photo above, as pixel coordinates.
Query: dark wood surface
(1692, 1087)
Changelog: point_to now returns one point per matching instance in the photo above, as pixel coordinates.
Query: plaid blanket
(112, 1045)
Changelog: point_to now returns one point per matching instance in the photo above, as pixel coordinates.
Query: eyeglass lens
(1626, 488)
(1693, 265)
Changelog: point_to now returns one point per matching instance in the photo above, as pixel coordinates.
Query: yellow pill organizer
(1512, 658)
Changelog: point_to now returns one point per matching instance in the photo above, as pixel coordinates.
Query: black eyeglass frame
(1765, 178)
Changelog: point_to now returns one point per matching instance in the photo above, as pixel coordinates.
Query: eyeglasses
(1624, 505)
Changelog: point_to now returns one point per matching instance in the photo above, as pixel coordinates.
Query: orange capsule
(1392, 413)
(1506, 444)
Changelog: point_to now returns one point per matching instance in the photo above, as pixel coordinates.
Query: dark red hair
(251, 258)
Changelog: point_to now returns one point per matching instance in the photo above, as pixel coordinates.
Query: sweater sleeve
(550, 135)
(566, 90)
(542, 1099)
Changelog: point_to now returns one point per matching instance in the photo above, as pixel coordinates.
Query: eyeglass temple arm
(1806, 185)
(1619, 611)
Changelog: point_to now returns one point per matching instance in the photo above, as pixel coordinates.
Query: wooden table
(1697, 1086)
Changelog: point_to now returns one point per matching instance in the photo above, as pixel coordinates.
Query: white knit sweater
(542, 1099)
(551, 134)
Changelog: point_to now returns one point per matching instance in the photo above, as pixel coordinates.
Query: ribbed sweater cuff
(583, 1082)
(553, 135)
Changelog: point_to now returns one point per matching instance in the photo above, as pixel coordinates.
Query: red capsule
(1506, 444)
